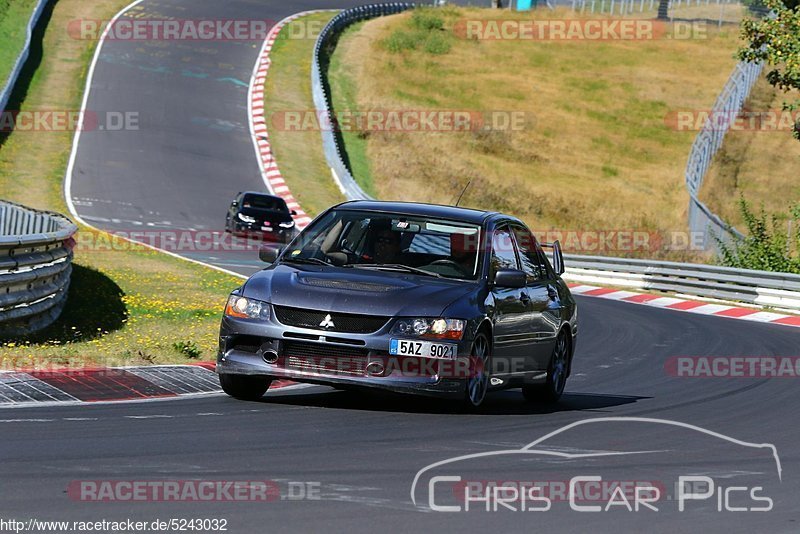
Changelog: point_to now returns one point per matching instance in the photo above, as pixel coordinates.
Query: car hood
(357, 291)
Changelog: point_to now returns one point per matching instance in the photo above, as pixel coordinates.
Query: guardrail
(331, 142)
(35, 267)
(761, 288)
(8, 88)
(702, 221)
(623, 7)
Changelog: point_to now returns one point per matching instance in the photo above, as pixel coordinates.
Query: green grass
(14, 17)
(127, 304)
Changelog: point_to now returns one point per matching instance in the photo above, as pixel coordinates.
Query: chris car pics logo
(524, 482)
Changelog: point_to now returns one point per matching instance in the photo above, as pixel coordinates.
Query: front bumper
(335, 358)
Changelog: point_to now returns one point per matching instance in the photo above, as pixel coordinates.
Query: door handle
(552, 293)
(524, 298)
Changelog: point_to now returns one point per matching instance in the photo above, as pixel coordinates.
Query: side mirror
(269, 254)
(234, 204)
(510, 278)
(558, 258)
(293, 212)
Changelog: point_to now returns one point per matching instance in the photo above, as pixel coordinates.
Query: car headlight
(424, 327)
(289, 224)
(246, 308)
(246, 218)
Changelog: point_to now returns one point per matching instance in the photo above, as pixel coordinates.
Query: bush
(399, 41)
(427, 19)
(437, 44)
(424, 29)
(769, 246)
(188, 349)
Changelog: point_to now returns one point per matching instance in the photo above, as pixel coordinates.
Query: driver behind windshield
(386, 245)
(463, 251)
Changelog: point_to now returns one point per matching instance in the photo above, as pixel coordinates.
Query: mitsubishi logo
(327, 322)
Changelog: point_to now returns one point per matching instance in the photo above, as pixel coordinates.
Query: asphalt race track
(364, 450)
(361, 452)
(192, 150)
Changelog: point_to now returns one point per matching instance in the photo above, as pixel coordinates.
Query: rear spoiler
(558, 256)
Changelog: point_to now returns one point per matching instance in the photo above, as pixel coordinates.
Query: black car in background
(413, 298)
(261, 214)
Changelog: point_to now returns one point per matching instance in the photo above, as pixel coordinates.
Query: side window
(528, 254)
(503, 254)
(547, 269)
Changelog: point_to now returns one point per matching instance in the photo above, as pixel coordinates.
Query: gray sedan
(413, 298)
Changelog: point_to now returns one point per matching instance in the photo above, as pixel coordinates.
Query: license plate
(422, 349)
(266, 228)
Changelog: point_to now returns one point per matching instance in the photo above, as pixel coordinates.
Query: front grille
(324, 359)
(321, 350)
(343, 322)
(330, 339)
(298, 335)
(345, 340)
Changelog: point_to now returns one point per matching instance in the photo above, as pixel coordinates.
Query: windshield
(264, 202)
(438, 247)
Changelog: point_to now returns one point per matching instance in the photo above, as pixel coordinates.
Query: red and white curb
(109, 384)
(730, 311)
(270, 172)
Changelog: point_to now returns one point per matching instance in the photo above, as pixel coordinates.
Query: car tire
(244, 387)
(479, 369)
(557, 370)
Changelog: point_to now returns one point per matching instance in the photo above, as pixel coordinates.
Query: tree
(768, 245)
(776, 40)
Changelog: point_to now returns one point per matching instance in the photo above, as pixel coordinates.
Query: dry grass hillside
(595, 151)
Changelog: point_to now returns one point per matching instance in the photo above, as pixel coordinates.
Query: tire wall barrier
(35, 267)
